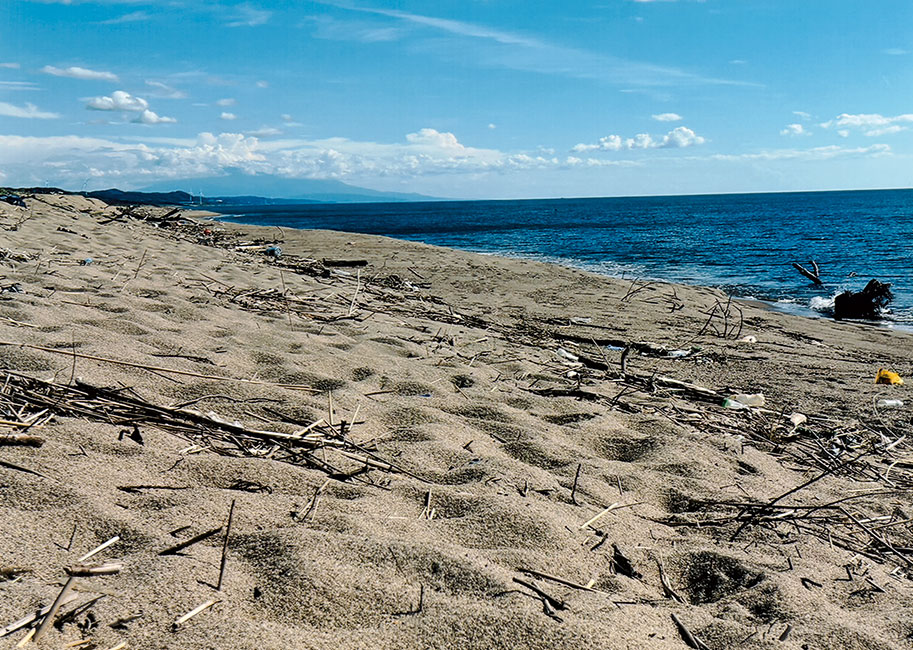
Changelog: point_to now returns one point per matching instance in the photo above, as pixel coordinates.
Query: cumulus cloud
(425, 152)
(794, 129)
(803, 115)
(149, 117)
(75, 72)
(226, 101)
(228, 116)
(29, 111)
(10, 66)
(678, 138)
(118, 101)
(667, 117)
(871, 124)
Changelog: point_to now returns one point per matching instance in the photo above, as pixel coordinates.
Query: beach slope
(392, 445)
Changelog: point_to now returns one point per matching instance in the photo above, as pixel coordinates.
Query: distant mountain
(237, 183)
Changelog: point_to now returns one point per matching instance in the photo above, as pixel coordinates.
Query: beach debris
(568, 356)
(177, 548)
(52, 610)
(748, 339)
(273, 251)
(722, 322)
(107, 569)
(231, 514)
(560, 581)
(798, 419)
(687, 636)
(744, 400)
(343, 263)
(867, 304)
(189, 615)
(20, 439)
(86, 261)
(13, 199)
(814, 276)
(98, 549)
(890, 403)
(889, 377)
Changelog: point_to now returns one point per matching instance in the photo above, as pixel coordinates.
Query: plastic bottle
(743, 400)
(890, 403)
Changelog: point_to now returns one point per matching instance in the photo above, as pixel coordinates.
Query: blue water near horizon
(743, 244)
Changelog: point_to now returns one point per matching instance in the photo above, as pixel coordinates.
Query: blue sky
(461, 98)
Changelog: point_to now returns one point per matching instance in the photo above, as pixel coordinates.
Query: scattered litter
(743, 400)
(798, 419)
(748, 339)
(888, 377)
(890, 403)
(86, 261)
(273, 251)
(564, 354)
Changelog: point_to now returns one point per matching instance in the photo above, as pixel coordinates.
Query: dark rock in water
(867, 303)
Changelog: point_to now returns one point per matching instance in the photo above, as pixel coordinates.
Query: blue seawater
(743, 244)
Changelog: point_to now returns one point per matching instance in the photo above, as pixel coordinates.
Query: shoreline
(408, 437)
(780, 306)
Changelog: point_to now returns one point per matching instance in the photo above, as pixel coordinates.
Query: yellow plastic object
(888, 377)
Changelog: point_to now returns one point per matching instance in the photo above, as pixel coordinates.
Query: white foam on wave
(819, 303)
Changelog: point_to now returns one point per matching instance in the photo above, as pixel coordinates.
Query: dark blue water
(743, 244)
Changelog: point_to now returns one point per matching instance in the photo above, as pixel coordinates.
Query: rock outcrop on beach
(426, 448)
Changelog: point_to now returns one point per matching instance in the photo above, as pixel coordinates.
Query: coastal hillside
(228, 437)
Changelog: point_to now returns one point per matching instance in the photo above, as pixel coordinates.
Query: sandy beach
(428, 448)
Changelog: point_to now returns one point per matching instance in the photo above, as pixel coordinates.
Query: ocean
(744, 244)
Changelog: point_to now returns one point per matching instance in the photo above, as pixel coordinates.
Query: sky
(460, 98)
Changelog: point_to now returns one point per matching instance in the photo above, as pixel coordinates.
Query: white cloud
(228, 116)
(886, 130)
(29, 111)
(803, 115)
(843, 133)
(264, 132)
(667, 117)
(262, 84)
(149, 117)
(678, 138)
(872, 124)
(794, 130)
(816, 153)
(10, 66)
(165, 91)
(517, 51)
(75, 72)
(118, 101)
(246, 15)
(492, 126)
(132, 17)
(227, 101)
(895, 51)
(18, 85)
(426, 152)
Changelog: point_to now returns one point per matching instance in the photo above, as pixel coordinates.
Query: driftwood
(814, 276)
(866, 304)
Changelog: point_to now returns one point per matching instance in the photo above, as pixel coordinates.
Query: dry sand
(449, 365)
